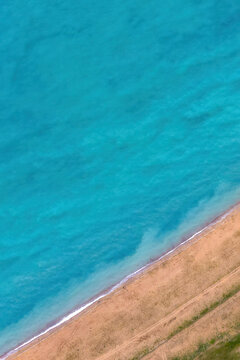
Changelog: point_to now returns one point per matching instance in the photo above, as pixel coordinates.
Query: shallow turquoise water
(120, 133)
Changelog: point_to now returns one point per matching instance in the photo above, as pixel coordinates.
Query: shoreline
(110, 290)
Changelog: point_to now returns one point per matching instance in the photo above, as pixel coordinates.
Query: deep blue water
(120, 133)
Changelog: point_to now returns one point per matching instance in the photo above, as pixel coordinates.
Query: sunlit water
(120, 134)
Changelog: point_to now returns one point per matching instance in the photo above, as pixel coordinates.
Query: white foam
(124, 280)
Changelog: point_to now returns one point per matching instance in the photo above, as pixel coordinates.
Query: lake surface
(120, 134)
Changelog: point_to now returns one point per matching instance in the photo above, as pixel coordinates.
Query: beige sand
(139, 319)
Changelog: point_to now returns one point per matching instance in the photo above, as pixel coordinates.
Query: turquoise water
(120, 133)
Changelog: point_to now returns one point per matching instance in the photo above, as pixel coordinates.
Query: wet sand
(140, 317)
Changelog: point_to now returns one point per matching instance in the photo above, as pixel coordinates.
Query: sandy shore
(145, 316)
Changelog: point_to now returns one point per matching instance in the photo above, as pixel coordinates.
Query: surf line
(66, 318)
